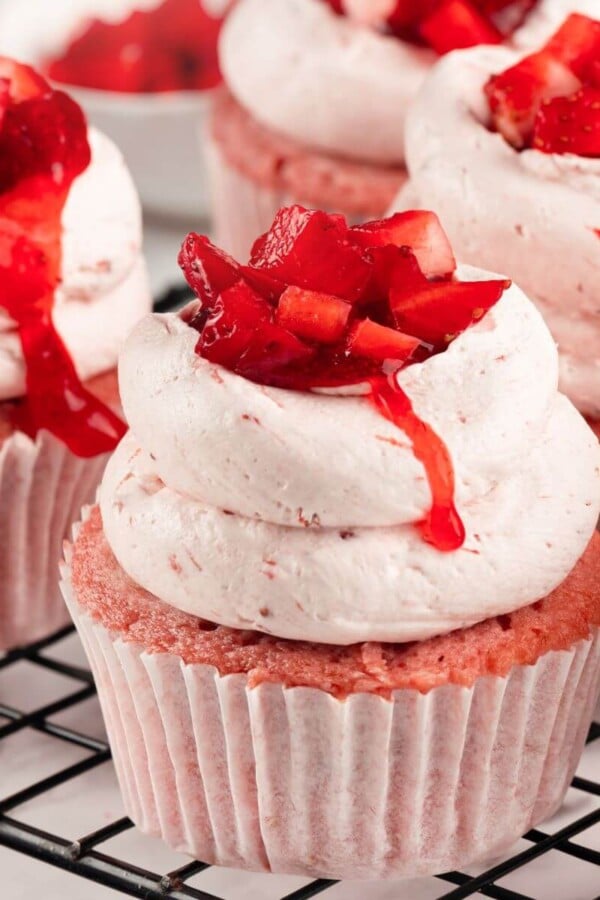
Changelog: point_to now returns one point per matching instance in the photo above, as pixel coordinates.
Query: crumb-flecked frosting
(547, 17)
(294, 513)
(520, 212)
(104, 289)
(341, 87)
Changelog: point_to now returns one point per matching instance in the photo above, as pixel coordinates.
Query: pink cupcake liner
(42, 488)
(244, 209)
(294, 780)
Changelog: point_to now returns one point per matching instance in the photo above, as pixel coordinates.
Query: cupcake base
(254, 172)
(42, 488)
(247, 763)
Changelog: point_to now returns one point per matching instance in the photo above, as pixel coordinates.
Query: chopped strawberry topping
(172, 47)
(420, 230)
(342, 306)
(446, 25)
(43, 148)
(313, 316)
(367, 338)
(570, 124)
(549, 100)
(440, 311)
(457, 24)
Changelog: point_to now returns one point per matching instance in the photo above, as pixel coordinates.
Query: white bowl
(157, 133)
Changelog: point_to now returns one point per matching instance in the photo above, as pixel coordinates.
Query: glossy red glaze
(43, 148)
(170, 48)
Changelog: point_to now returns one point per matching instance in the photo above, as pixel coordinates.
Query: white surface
(92, 801)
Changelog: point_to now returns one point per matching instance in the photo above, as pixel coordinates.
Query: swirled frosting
(523, 212)
(341, 88)
(104, 289)
(294, 513)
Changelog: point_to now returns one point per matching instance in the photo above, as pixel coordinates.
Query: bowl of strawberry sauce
(143, 70)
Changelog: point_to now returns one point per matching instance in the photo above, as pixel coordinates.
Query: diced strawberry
(420, 230)
(456, 24)
(208, 270)
(310, 249)
(516, 95)
(392, 267)
(577, 44)
(377, 342)
(442, 310)
(240, 334)
(25, 83)
(570, 124)
(313, 316)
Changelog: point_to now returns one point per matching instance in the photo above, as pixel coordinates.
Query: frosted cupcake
(341, 595)
(507, 150)
(316, 98)
(73, 283)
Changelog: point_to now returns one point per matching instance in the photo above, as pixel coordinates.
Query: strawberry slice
(570, 124)
(377, 342)
(240, 334)
(441, 310)
(209, 271)
(516, 95)
(577, 44)
(456, 24)
(420, 230)
(313, 316)
(310, 249)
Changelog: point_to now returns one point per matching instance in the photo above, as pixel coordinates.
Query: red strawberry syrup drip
(43, 148)
(442, 527)
(172, 47)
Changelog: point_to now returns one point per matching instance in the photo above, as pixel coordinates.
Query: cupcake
(341, 593)
(507, 150)
(143, 70)
(73, 283)
(331, 135)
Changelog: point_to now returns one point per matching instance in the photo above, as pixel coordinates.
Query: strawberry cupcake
(143, 70)
(332, 134)
(72, 284)
(341, 594)
(507, 150)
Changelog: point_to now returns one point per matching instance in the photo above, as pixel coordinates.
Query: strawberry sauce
(443, 527)
(43, 148)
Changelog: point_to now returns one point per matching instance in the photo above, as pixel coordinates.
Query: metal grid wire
(84, 858)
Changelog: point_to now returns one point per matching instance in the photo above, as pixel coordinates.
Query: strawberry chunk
(570, 124)
(240, 334)
(577, 44)
(377, 342)
(208, 270)
(313, 316)
(516, 95)
(310, 249)
(456, 24)
(420, 230)
(441, 310)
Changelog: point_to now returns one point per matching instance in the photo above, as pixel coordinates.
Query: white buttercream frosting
(531, 214)
(294, 513)
(322, 79)
(105, 289)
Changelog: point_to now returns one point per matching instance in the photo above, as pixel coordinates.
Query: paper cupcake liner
(244, 209)
(296, 781)
(42, 488)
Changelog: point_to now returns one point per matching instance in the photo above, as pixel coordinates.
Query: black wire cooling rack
(83, 856)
